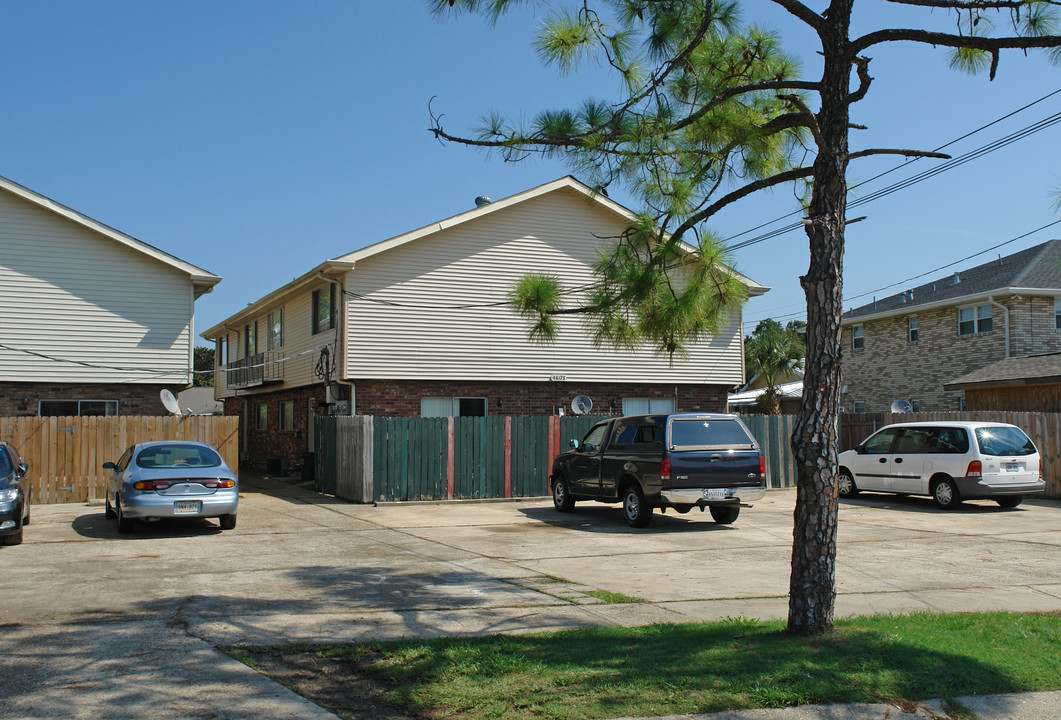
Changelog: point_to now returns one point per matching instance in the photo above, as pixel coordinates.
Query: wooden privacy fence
(64, 454)
(373, 459)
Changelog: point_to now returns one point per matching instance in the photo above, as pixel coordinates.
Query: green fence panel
(324, 454)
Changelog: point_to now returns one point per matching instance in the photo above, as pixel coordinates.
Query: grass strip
(698, 668)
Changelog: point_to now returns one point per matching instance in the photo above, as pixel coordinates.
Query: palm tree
(772, 352)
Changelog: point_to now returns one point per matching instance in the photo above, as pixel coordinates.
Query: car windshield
(177, 456)
(707, 432)
(1004, 441)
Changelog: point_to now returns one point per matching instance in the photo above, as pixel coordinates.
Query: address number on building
(558, 378)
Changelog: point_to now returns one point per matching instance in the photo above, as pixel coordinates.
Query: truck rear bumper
(697, 496)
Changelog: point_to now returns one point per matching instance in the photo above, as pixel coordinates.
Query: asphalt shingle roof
(1027, 370)
(1037, 267)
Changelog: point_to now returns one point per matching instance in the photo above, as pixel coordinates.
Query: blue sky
(257, 139)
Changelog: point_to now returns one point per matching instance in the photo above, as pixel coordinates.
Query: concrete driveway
(93, 624)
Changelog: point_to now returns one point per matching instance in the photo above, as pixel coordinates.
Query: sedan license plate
(186, 506)
(714, 493)
(1012, 467)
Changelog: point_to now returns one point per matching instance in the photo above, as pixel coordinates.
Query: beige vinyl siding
(69, 292)
(477, 263)
(300, 351)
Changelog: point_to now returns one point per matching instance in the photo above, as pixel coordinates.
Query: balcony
(262, 369)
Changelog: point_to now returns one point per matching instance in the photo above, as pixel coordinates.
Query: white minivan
(949, 460)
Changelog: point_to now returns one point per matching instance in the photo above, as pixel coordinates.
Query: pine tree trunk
(812, 588)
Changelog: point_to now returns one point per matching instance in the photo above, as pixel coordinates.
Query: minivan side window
(881, 443)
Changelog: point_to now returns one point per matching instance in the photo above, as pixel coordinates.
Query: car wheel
(227, 521)
(945, 493)
(1010, 501)
(845, 486)
(562, 500)
(635, 510)
(724, 514)
(125, 525)
(108, 511)
(13, 539)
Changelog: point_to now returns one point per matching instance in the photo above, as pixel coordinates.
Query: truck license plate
(186, 506)
(714, 494)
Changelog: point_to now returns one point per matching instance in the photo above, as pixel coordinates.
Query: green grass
(613, 598)
(673, 669)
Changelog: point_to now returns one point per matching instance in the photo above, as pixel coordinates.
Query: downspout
(1005, 319)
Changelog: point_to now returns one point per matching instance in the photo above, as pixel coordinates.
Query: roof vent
(957, 279)
(911, 294)
(482, 200)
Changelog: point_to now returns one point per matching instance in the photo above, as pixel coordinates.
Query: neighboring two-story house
(908, 346)
(419, 326)
(92, 321)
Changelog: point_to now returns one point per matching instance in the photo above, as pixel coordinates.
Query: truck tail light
(762, 465)
(664, 469)
(975, 469)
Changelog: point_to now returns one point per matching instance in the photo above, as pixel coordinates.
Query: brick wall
(21, 399)
(401, 398)
(892, 368)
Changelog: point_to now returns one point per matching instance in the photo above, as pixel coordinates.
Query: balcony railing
(260, 369)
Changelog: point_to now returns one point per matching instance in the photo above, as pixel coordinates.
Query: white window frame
(858, 337)
(649, 406)
(859, 406)
(978, 316)
(442, 406)
(911, 328)
(1057, 313)
(250, 339)
(321, 324)
(221, 352)
(109, 403)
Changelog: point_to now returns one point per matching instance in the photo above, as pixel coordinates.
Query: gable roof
(344, 263)
(203, 280)
(1036, 270)
(1028, 370)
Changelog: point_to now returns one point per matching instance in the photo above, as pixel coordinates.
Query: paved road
(94, 625)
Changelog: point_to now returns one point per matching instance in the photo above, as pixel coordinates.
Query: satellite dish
(902, 406)
(581, 405)
(169, 401)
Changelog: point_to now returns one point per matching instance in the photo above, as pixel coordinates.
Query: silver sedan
(171, 479)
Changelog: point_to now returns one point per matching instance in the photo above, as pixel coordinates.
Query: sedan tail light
(152, 484)
(974, 470)
(219, 483)
(664, 469)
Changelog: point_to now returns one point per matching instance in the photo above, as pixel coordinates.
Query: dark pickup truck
(679, 461)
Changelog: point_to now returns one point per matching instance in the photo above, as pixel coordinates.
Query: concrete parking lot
(94, 624)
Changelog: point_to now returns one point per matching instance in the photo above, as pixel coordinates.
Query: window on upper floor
(221, 355)
(974, 320)
(276, 329)
(912, 329)
(1057, 313)
(858, 339)
(250, 339)
(323, 309)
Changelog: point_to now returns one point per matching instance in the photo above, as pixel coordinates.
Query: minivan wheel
(724, 514)
(1009, 501)
(946, 494)
(635, 510)
(845, 486)
(562, 500)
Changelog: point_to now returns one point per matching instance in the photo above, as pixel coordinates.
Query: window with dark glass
(974, 320)
(323, 309)
(858, 341)
(275, 329)
(250, 339)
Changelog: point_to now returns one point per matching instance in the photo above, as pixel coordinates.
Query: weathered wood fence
(371, 459)
(64, 454)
